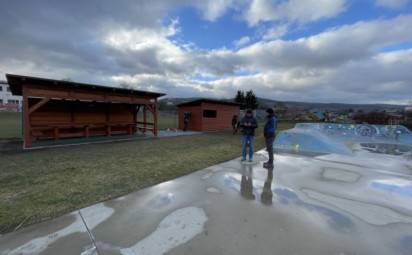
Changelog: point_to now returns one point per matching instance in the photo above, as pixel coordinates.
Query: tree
(374, 117)
(251, 100)
(240, 98)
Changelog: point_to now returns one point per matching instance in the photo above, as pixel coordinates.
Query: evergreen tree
(240, 98)
(251, 100)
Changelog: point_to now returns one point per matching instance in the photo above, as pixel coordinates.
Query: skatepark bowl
(335, 189)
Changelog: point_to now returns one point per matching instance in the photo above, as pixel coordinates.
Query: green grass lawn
(43, 184)
(10, 125)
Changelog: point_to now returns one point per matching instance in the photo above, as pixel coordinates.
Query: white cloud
(293, 10)
(329, 49)
(275, 32)
(242, 41)
(393, 4)
(372, 80)
(343, 63)
(213, 9)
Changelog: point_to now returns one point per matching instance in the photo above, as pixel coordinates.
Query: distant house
(296, 113)
(317, 114)
(9, 102)
(395, 116)
(208, 114)
(408, 113)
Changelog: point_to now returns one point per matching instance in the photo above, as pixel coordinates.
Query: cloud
(242, 41)
(372, 80)
(393, 4)
(114, 43)
(328, 49)
(293, 10)
(214, 9)
(275, 32)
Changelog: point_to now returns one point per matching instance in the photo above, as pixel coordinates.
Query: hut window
(209, 114)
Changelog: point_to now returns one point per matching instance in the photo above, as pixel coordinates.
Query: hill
(169, 104)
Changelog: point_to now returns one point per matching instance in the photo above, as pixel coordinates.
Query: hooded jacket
(270, 126)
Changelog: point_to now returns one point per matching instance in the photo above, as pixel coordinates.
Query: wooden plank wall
(195, 123)
(72, 117)
(60, 112)
(77, 112)
(223, 120)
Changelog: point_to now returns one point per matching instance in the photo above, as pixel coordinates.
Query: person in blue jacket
(248, 125)
(269, 133)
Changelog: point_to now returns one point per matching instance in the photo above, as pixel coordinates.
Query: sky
(346, 51)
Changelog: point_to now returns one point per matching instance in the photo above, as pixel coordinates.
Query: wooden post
(72, 109)
(87, 132)
(109, 130)
(26, 120)
(155, 118)
(108, 127)
(137, 117)
(134, 109)
(144, 118)
(56, 133)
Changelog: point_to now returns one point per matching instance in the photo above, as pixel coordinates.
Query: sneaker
(243, 160)
(250, 160)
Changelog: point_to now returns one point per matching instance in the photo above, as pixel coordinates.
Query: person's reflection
(246, 185)
(267, 194)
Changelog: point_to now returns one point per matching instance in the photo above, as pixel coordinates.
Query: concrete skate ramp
(345, 139)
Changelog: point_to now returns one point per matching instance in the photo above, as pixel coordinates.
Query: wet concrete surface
(319, 204)
(64, 235)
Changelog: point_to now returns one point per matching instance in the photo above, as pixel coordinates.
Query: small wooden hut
(55, 109)
(208, 114)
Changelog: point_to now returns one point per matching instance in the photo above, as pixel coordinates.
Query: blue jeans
(247, 139)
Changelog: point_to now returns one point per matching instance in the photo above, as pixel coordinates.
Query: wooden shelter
(208, 114)
(55, 109)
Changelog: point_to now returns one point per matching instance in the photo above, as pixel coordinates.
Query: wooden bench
(85, 127)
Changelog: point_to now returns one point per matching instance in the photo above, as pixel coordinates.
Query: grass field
(43, 184)
(10, 125)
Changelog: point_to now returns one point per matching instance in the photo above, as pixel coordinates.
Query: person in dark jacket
(235, 124)
(248, 125)
(186, 119)
(269, 133)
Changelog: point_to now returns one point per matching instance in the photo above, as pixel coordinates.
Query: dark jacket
(234, 121)
(270, 126)
(248, 130)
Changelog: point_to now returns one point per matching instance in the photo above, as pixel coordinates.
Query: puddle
(399, 186)
(175, 229)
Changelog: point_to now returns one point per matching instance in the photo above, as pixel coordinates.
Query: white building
(8, 102)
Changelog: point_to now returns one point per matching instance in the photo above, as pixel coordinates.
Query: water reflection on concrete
(384, 148)
(317, 204)
(345, 139)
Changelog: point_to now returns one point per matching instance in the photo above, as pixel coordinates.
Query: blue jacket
(270, 127)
